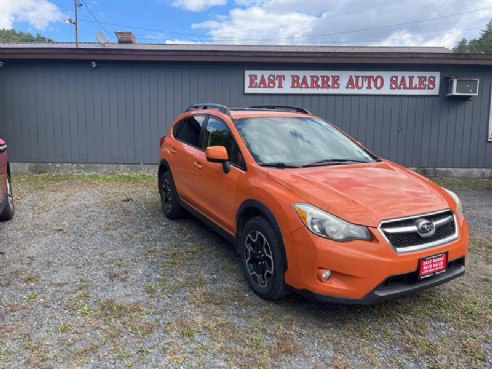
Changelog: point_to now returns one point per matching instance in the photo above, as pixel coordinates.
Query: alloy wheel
(259, 259)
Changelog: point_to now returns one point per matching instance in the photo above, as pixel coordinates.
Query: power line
(347, 42)
(95, 19)
(142, 28)
(341, 42)
(210, 38)
(396, 24)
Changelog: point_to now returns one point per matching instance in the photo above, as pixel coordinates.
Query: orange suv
(307, 207)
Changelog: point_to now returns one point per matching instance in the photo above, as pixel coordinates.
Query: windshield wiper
(280, 165)
(334, 162)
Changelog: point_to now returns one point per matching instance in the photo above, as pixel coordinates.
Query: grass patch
(30, 278)
(87, 177)
(65, 327)
(84, 353)
(481, 245)
(111, 309)
(188, 331)
(31, 297)
(84, 310)
(221, 297)
(472, 183)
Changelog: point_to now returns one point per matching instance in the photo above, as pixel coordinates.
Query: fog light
(326, 275)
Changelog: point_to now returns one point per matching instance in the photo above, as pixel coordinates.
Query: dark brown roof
(241, 53)
(218, 47)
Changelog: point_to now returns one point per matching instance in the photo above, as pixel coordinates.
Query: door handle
(197, 165)
(172, 150)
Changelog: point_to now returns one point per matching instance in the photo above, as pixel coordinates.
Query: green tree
(13, 36)
(462, 46)
(481, 45)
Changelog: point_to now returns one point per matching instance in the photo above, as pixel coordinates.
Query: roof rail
(281, 107)
(203, 106)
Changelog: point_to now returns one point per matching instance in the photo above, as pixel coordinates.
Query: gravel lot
(94, 276)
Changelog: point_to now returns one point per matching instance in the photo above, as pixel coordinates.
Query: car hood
(363, 193)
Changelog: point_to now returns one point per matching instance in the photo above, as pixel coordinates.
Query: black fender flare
(268, 214)
(163, 164)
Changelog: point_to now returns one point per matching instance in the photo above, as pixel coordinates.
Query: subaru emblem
(425, 228)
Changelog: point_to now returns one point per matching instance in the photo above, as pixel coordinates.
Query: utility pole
(76, 3)
(76, 21)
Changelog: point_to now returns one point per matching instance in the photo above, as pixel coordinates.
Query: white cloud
(358, 22)
(181, 42)
(257, 25)
(197, 5)
(153, 36)
(38, 13)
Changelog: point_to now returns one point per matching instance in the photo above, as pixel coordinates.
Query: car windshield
(301, 141)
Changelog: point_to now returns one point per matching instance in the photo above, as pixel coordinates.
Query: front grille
(411, 239)
(403, 235)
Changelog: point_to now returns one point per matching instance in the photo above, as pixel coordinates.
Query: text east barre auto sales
(341, 82)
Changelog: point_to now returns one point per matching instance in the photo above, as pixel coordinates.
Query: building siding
(67, 112)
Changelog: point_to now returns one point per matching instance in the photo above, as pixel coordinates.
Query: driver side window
(218, 134)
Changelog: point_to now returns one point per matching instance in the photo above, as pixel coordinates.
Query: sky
(268, 22)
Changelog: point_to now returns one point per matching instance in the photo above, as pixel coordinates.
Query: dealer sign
(341, 82)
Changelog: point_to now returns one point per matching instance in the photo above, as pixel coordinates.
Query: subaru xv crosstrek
(308, 208)
(6, 197)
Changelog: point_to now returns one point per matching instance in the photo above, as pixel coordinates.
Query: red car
(6, 198)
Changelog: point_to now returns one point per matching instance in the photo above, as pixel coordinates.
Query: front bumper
(364, 272)
(395, 290)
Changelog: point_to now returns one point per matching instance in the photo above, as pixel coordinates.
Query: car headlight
(329, 226)
(459, 206)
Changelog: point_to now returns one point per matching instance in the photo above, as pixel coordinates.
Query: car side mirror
(218, 154)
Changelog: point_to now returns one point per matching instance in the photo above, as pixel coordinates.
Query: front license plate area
(433, 265)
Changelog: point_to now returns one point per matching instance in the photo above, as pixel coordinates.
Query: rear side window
(189, 130)
(218, 134)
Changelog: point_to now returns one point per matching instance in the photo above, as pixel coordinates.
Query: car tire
(9, 210)
(169, 197)
(262, 259)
